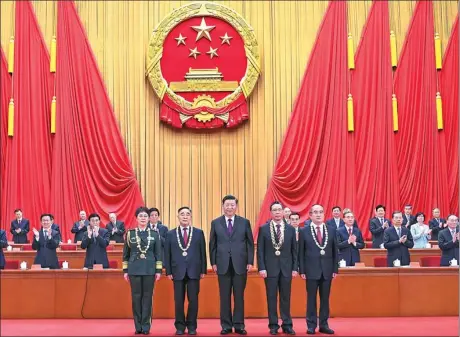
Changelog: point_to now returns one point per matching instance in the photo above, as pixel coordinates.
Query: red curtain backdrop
(316, 160)
(5, 79)
(28, 166)
(91, 167)
(420, 147)
(377, 180)
(449, 93)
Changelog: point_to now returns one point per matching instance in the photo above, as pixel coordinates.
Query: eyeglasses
(317, 212)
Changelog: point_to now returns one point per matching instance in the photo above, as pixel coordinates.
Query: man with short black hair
(408, 218)
(349, 240)
(336, 220)
(377, 225)
(231, 250)
(19, 227)
(45, 242)
(277, 262)
(95, 241)
(397, 240)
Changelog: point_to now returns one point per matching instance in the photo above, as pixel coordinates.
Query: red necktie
(349, 231)
(185, 236)
(278, 233)
(318, 235)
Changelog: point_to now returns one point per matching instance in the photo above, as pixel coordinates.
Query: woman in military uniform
(142, 267)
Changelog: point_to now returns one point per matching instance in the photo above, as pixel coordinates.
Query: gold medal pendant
(142, 256)
(277, 253)
(184, 254)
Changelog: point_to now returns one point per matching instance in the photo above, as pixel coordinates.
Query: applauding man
(185, 262)
(277, 261)
(45, 243)
(95, 241)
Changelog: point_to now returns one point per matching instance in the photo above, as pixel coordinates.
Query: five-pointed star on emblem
(203, 30)
(212, 52)
(226, 39)
(180, 39)
(194, 52)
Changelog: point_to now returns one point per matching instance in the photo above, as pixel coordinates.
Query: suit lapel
(224, 224)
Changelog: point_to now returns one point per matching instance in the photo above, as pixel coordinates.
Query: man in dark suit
(436, 224)
(318, 264)
(408, 218)
(295, 222)
(336, 220)
(448, 241)
(397, 240)
(95, 241)
(349, 240)
(116, 229)
(186, 264)
(19, 228)
(45, 243)
(54, 226)
(277, 262)
(3, 244)
(377, 226)
(231, 248)
(80, 227)
(156, 225)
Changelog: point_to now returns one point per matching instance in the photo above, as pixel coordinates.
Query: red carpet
(388, 326)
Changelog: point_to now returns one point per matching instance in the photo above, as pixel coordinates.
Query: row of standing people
(231, 247)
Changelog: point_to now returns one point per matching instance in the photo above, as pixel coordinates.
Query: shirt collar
(226, 219)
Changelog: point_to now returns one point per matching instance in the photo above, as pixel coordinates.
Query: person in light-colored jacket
(420, 232)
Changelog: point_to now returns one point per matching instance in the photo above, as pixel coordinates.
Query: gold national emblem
(203, 62)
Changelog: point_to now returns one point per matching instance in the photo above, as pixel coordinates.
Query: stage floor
(385, 326)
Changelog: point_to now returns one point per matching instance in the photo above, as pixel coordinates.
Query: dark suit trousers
(192, 287)
(141, 295)
(228, 282)
(273, 285)
(324, 287)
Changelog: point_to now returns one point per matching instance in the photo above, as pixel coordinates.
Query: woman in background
(420, 232)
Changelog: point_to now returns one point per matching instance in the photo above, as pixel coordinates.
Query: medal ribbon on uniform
(184, 250)
(276, 245)
(322, 252)
(138, 241)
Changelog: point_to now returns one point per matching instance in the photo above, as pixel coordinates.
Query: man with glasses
(350, 240)
(397, 240)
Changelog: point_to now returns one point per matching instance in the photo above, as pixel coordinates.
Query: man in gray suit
(231, 249)
(277, 262)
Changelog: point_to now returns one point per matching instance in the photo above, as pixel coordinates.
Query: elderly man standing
(116, 229)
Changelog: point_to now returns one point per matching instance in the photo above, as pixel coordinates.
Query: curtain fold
(420, 147)
(91, 167)
(5, 88)
(28, 169)
(377, 180)
(316, 159)
(449, 93)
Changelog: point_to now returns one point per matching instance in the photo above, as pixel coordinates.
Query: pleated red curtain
(377, 180)
(450, 93)
(420, 147)
(5, 89)
(91, 167)
(316, 160)
(28, 164)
